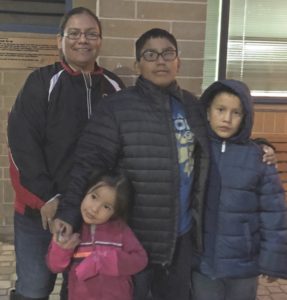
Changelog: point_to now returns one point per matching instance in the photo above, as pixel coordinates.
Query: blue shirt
(185, 147)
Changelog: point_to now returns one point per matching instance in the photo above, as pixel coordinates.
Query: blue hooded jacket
(245, 232)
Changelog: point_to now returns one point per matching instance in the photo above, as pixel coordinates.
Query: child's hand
(67, 242)
(269, 156)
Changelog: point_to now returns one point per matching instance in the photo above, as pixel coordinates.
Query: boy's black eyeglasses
(153, 55)
(76, 34)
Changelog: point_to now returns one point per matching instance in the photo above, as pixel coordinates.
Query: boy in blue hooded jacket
(245, 232)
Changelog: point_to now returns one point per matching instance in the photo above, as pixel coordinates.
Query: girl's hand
(67, 242)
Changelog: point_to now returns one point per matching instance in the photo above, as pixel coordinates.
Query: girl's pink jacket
(101, 266)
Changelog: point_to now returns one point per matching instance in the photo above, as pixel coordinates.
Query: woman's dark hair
(121, 184)
(77, 11)
(153, 34)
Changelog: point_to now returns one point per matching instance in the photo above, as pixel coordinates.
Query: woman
(44, 125)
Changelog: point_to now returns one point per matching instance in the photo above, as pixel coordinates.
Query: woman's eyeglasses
(76, 34)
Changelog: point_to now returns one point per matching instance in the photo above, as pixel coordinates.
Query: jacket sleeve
(273, 248)
(132, 258)
(98, 149)
(114, 260)
(57, 258)
(26, 138)
(128, 260)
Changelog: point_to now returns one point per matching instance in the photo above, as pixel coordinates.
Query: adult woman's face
(80, 52)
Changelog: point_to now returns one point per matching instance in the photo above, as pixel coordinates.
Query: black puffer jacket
(44, 125)
(133, 131)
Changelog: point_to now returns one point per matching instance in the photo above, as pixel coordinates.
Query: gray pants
(204, 288)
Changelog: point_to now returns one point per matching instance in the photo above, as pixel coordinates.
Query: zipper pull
(93, 231)
(223, 146)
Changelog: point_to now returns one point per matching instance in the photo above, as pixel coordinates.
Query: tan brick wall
(123, 21)
(270, 119)
(11, 81)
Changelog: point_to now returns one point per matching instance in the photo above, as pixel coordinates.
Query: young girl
(101, 259)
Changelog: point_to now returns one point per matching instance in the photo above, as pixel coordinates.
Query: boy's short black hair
(153, 33)
(122, 185)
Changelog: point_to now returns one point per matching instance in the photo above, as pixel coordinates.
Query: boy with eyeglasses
(156, 133)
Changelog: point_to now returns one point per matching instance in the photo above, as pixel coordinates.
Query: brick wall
(123, 21)
(270, 119)
(10, 82)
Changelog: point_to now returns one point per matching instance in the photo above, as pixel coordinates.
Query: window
(251, 45)
(257, 46)
(212, 43)
(32, 16)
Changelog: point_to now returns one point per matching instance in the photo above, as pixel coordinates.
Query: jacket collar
(149, 89)
(97, 69)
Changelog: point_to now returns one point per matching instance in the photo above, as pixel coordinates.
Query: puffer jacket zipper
(215, 260)
(168, 115)
(223, 146)
(93, 233)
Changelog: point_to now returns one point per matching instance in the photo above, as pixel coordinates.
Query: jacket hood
(241, 89)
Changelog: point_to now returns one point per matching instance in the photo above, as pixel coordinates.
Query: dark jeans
(172, 283)
(34, 280)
